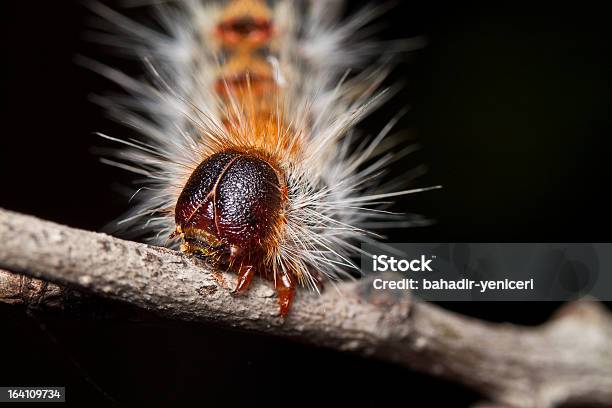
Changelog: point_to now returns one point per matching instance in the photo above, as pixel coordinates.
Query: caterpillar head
(231, 206)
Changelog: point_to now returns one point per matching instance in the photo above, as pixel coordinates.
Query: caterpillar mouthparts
(248, 150)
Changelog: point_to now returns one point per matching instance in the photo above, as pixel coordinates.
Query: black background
(510, 102)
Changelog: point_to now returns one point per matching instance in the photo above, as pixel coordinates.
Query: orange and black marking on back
(231, 211)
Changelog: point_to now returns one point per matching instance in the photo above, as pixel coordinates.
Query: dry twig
(568, 359)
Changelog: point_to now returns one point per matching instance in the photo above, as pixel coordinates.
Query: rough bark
(568, 359)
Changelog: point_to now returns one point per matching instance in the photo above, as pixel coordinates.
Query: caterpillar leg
(285, 288)
(245, 274)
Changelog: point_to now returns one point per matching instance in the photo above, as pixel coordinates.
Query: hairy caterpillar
(250, 158)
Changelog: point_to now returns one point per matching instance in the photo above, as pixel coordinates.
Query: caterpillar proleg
(249, 153)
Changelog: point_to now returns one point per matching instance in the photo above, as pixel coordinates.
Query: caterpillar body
(249, 155)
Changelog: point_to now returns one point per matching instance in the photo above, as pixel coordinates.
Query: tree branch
(568, 359)
(22, 290)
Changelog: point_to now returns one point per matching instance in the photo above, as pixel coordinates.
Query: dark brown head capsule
(230, 206)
